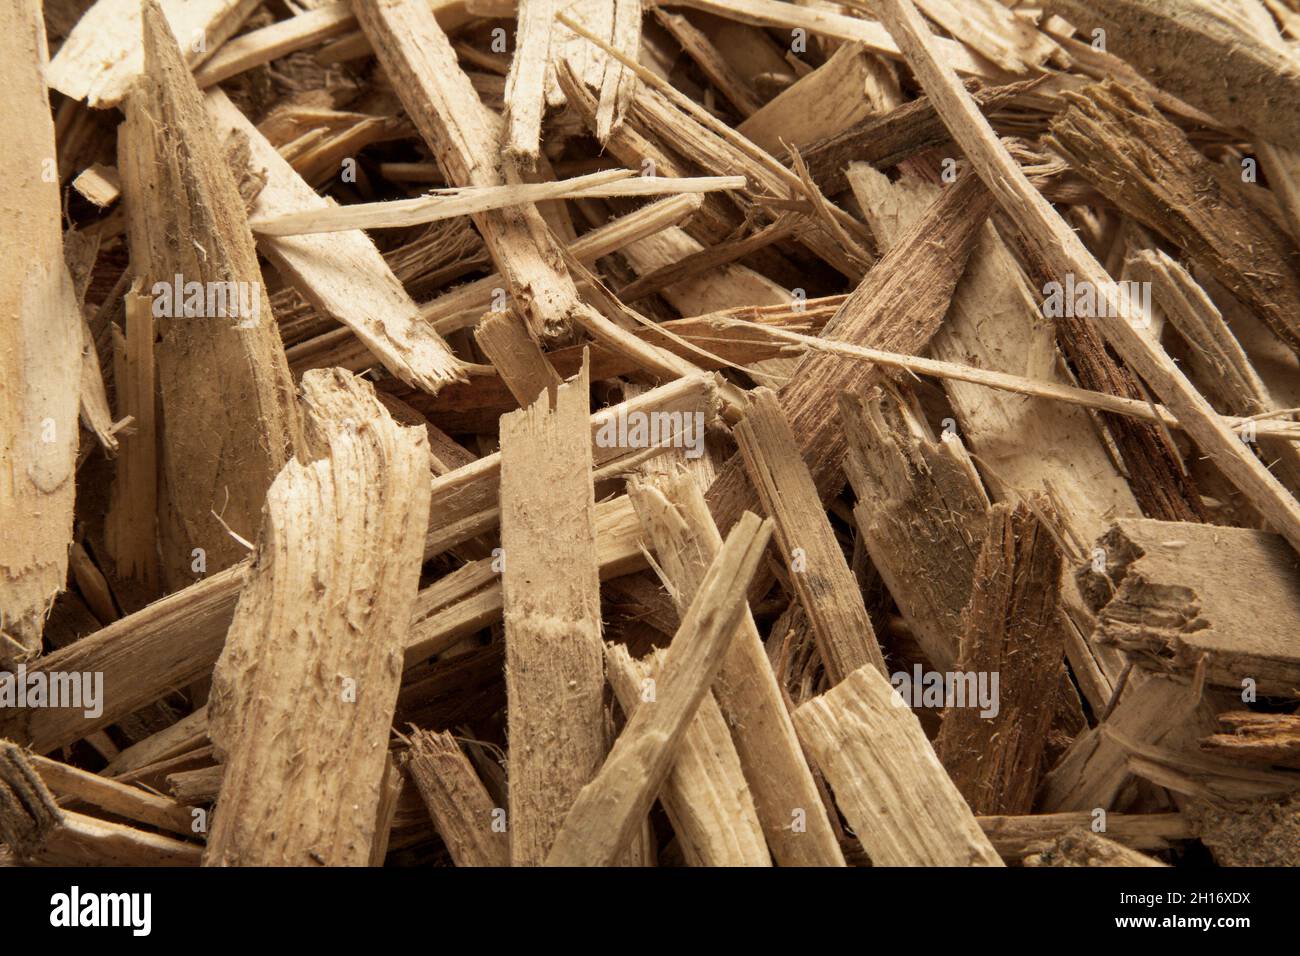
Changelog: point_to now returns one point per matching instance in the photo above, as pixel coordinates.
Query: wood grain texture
(308, 678)
(1171, 41)
(555, 671)
(819, 573)
(898, 306)
(1011, 630)
(676, 519)
(705, 794)
(131, 530)
(458, 803)
(340, 274)
(1180, 597)
(102, 56)
(922, 513)
(226, 435)
(40, 350)
(886, 778)
(465, 138)
(608, 811)
(1115, 139)
(1056, 244)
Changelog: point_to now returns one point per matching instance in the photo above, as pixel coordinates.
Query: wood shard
(168, 151)
(555, 673)
(341, 274)
(458, 803)
(705, 795)
(1085, 848)
(609, 809)
(1114, 138)
(40, 352)
(102, 56)
(820, 575)
(336, 563)
(1056, 244)
(1180, 597)
(886, 778)
(1170, 41)
(995, 755)
(677, 522)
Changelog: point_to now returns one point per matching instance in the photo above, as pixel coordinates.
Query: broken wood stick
(40, 351)
(102, 56)
(336, 563)
(465, 138)
(132, 519)
(1015, 836)
(899, 305)
(676, 519)
(900, 803)
(1171, 41)
(40, 832)
(1114, 138)
(1011, 634)
(458, 803)
(705, 794)
(1086, 398)
(342, 275)
(170, 161)
(1272, 739)
(1184, 598)
(441, 204)
(922, 514)
(818, 572)
(555, 673)
(525, 93)
(608, 810)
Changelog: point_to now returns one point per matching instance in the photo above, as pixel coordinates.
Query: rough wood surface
(1084, 848)
(555, 673)
(341, 274)
(608, 810)
(1257, 738)
(1180, 597)
(1058, 245)
(308, 677)
(458, 803)
(886, 778)
(1114, 138)
(102, 57)
(891, 135)
(921, 511)
(1015, 836)
(525, 93)
(465, 138)
(1171, 41)
(1011, 630)
(132, 518)
(818, 571)
(705, 794)
(224, 436)
(40, 352)
(40, 832)
(899, 306)
(1092, 772)
(480, 618)
(677, 522)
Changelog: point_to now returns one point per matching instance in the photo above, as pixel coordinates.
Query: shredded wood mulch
(704, 432)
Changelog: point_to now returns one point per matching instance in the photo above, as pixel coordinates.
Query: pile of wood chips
(720, 432)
